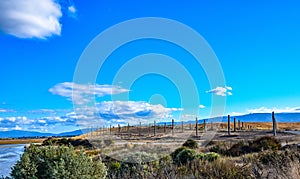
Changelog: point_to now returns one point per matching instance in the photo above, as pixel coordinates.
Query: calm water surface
(9, 155)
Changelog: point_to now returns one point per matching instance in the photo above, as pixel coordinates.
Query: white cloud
(276, 110)
(30, 18)
(229, 88)
(134, 110)
(83, 93)
(4, 129)
(112, 112)
(201, 106)
(17, 128)
(6, 110)
(221, 91)
(236, 114)
(72, 9)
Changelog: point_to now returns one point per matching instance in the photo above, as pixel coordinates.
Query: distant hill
(255, 117)
(266, 117)
(26, 134)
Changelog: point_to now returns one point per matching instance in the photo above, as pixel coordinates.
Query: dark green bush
(220, 149)
(190, 144)
(176, 152)
(264, 143)
(185, 156)
(239, 149)
(57, 162)
(64, 141)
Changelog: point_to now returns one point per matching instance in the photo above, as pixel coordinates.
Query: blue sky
(256, 42)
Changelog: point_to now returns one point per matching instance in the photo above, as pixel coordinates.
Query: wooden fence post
(234, 125)
(274, 124)
(140, 128)
(228, 126)
(172, 126)
(154, 130)
(128, 129)
(197, 127)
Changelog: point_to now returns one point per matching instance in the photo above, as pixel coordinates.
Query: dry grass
(20, 141)
(265, 125)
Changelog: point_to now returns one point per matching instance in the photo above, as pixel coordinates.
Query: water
(9, 155)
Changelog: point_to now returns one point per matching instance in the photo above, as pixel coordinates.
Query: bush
(190, 144)
(185, 156)
(264, 143)
(218, 169)
(176, 152)
(220, 148)
(57, 162)
(208, 156)
(140, 158)
(239, 149)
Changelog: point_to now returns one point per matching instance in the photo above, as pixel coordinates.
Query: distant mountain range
(255, 117)
(26, 134)
(267, 117)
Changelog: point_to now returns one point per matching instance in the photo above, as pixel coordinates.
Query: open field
(119, 142)
(146, 133)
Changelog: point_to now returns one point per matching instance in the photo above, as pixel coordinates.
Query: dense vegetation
(57, 162)
(261, 158)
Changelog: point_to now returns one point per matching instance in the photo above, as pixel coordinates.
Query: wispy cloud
(81, 94)
(276, 110)
(6, 110)
(221, 91)
(201, 106)
(30, 18)
(72, 11)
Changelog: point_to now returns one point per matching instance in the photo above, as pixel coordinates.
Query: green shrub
(190, 144)
(220, 148)
(185, 156)
(211, 156)
(176, 152)
(140, 158)
(239, 149)
(57, 162)
(218, 169)
(264, 143)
